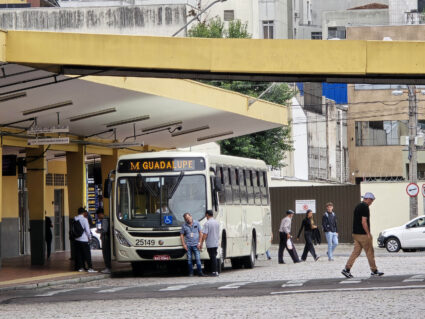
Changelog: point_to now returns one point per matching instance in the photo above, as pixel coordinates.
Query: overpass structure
(226, 59)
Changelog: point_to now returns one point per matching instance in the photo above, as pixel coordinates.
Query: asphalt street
(217, 289)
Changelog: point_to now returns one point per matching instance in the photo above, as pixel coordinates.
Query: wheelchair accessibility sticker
(168, 220)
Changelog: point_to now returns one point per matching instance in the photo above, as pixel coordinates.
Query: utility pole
(413, 157)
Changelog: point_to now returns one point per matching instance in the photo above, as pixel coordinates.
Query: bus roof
(213, 159)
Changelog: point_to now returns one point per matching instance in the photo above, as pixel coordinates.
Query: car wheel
(392, 245)
(94, 243)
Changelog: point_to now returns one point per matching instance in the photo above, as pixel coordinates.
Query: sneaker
(190, 275)
(91, 270)
(269, 258)
(317, 258)
(202, 275)
(376, 273)
(214, 274)
(81, 270)
(347, 273)
(106, 271)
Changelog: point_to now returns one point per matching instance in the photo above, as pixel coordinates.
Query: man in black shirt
(362, 237)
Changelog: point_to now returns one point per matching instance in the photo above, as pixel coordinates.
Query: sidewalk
(17, 272)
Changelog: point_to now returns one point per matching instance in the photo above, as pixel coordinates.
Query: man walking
(190, 236)
(82, 247)
(284, 235)
(329, 224)
(362, 237)
(211, 236)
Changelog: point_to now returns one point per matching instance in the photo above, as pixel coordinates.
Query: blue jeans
(332, 239)
(194, 250)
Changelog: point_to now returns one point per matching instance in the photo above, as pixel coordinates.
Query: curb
(56, 282)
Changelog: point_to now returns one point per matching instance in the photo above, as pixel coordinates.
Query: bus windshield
(157, 201)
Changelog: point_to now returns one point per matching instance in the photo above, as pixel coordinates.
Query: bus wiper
(174, 187)
(149, 188)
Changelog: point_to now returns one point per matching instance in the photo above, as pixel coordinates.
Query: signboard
(46, 141)
(151, 165)
(301, 206)
(412, 189)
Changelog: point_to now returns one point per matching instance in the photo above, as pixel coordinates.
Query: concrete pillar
(108, 163)
(36, 183)
(1, 192)
(76, 176)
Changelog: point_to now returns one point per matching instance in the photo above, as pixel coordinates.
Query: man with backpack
(82, 236)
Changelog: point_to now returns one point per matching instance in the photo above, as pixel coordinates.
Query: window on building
(375, 133)
(268, 29)
(229, 15)
(316, 35)
(336, 32)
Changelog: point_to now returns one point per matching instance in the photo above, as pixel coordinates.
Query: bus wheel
(137, 268)
(249, 261)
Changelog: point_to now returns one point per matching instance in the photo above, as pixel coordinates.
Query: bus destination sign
(150, 165)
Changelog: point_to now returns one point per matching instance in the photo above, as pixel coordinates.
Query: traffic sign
(412, 189)
(423, 190)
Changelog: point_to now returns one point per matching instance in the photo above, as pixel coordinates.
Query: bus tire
(220, 261)
(137, 268)
(249, 261)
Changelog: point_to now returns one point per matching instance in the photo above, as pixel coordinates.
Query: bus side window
(256, 181)
(242, 182)
(250, 187)
(263, 188)
(222, 194)
(228, 185)
(235, 186)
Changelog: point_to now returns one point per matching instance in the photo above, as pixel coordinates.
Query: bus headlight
(122, 239)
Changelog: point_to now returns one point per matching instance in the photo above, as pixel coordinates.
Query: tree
(269, 146)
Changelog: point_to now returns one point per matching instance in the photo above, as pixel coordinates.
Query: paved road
(217, 289)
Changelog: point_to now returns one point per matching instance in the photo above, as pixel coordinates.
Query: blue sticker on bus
(168, 220)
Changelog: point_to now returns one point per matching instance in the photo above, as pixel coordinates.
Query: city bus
(150, 192)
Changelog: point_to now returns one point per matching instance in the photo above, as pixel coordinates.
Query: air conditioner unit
(404, 140)
(419, 140)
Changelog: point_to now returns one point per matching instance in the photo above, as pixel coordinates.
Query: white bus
(150, 193)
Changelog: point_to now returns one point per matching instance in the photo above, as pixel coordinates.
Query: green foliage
(269, 146)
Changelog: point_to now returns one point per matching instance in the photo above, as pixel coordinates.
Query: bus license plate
(145, 242)
(161, 257)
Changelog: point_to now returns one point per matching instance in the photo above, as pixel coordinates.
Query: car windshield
(161, 200)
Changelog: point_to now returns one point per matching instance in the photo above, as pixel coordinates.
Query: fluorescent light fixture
(132, 120)
(203, 138)
(191, 130)
(12, 96)
(47, 107)
(123, 145)
(54, 129)
(159, 126)
(92, 114)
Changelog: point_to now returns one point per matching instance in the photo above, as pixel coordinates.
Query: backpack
(76, 229)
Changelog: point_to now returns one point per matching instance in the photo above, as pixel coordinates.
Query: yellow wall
(391, 207)
(10, 205)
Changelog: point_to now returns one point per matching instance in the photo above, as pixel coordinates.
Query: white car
(408, 237)
(96, 242)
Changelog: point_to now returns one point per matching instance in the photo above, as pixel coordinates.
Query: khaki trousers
(362, 242)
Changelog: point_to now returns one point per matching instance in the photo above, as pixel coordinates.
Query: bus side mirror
(107, 188)
(218, 186)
